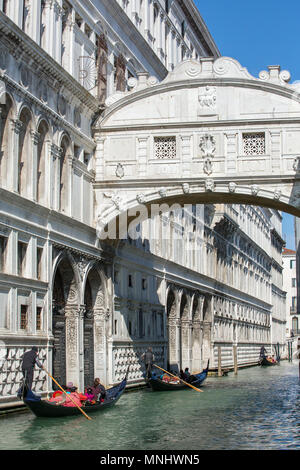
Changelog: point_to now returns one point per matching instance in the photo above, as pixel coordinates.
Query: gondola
(159, 385)
(46, 409)
(266, 362)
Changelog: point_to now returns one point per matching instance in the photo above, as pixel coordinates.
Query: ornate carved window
(165, 147)
(254, 143)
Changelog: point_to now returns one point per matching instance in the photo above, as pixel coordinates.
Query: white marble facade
(92, 308)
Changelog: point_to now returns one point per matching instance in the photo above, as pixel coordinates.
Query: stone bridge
(209, 132)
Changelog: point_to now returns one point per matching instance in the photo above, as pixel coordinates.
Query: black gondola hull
(46, 409)
(264, 362)
(159, 385)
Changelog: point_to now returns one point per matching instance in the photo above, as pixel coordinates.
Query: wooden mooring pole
(219, 362)
(235, 360)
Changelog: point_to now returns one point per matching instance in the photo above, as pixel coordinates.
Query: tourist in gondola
(98, 390)
(148, 358)
(30, 359)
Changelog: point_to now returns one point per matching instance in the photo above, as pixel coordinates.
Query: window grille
(254, 143)
(39, 318)
(165, 147)
(23, 322)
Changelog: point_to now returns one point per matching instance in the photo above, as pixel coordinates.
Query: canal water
(256, 410)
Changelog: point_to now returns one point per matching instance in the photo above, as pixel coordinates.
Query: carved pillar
(186, 331)
(54, 175)
(100, 346)
(13, 163)
(173, 341)
(72, 344)
(35, 138)
(197, 337)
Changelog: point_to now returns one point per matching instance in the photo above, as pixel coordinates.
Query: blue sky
(258, 34)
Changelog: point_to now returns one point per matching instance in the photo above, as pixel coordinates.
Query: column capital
(56, 152)
(17, 125)
(35, 136)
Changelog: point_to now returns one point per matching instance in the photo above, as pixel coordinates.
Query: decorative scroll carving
(207, 98)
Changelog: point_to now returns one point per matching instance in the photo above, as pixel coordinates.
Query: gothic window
(39, 255)
(3, 248)
(254, 143)
(63, 175)
(41, 163)
(5, 6)
(22, 249)
(5, 134)
(25, 150)
(165, 147)
(141, 323)
(25, 17)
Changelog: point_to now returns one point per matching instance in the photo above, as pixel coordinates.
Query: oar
(68, 395)
(186, 383)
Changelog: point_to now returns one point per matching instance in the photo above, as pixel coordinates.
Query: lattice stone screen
(254, 143)
(165, 147)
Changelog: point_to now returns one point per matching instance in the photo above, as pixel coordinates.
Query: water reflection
(257, 409)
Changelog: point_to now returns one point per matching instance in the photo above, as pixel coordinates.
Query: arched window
(5, 128)
(41, 163)
(25, 150)
(63, 175)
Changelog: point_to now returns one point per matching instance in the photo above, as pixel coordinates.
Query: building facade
(90, 307)
(290, 286)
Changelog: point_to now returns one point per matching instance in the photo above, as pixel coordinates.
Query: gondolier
(148, 358)
(30, 358)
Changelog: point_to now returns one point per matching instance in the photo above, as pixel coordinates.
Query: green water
(257, 409)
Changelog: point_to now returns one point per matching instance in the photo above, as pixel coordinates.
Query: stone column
(35, 138)
(173, 341)
(35, 22)
(185, 343)
(53, 171)
(69, 195)
(100, 344)
(13, 163)
(72, 315)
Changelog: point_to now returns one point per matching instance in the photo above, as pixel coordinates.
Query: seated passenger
(90, 397)
(76, 396)
(98, 391)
